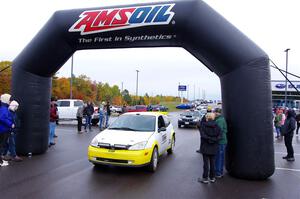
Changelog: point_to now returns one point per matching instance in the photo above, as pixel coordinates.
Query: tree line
(86, 89)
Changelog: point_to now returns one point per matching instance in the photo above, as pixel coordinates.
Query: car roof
(144, 113)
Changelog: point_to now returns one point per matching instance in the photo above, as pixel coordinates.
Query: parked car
(189, 118)
(184, 106)
(67, 108)
(116, 109)
(157, 108)
(134, 140)
(136, 108)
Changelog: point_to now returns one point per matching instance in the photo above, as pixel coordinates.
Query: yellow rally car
(133, 139)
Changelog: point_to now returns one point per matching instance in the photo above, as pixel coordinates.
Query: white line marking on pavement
(284, 153)
(287, 169)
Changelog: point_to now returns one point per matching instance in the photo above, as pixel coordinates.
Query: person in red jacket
(53, 118)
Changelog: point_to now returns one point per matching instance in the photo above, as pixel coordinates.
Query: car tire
(170, 150)
(154, 161)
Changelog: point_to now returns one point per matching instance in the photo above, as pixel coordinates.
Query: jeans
(11, 146)
(208, 166)
(107, 119)
(3, 140)
(88, 121)
(219, 164)
(277, 131)
(288, 138)
(52, 132)
(101, 118)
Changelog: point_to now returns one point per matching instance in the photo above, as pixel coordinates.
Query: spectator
(219, 164)
(210, 135)
(203, 119)
(298, 123)
(53, 118)
(88, 112)
(79, 116)
(288, 133)
(11, 144)
(107, 113)
(6, 124)
(101, 116)
(277, 122)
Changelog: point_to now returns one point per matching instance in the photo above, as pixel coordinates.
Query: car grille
(187, 120)
(113, 147)
(112, 160)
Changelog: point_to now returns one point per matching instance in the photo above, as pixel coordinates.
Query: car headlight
(138, 146)
(94, 142)
(180, 119)
(195, 120)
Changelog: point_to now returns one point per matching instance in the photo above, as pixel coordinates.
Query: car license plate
(186, 122)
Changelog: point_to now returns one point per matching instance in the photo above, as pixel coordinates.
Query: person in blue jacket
(6, 124)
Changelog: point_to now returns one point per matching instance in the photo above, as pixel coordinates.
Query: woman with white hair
(6, 124)
(11, 144)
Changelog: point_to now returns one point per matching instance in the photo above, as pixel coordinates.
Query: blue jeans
(219, 164)
(101, 117)
(52, 132)
(11, 146)
(277, 131)
(88, 121)
(107, 119)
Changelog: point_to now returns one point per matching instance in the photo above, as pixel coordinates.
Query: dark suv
(189, 118)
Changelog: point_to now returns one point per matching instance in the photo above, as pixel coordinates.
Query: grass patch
(171, 106)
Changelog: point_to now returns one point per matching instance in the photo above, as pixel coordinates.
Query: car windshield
(134, 123)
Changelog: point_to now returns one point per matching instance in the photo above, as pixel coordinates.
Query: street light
(286, 73)
(71, 80)
(137, 82)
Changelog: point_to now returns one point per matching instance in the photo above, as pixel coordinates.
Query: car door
(169, 129)
(162, 134)
(64, 109)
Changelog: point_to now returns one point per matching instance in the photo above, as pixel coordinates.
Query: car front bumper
(119, 157)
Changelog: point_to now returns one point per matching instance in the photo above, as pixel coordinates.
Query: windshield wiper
(123, 128)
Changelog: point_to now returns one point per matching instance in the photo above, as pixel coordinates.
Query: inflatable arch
(243, 69)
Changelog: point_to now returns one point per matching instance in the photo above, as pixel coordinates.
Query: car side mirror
(162, 129)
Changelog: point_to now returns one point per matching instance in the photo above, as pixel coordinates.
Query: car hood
(123, 137)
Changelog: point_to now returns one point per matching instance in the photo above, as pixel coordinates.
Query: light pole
(286, 71)
(137, 82)
(71, 80)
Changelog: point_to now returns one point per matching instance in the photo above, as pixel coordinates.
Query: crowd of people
(8, 124)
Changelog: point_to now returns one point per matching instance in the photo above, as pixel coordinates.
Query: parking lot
(64, 172)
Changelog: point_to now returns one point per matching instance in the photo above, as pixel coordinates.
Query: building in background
(278, 94)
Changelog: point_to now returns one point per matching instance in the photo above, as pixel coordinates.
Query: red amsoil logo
(95, 21)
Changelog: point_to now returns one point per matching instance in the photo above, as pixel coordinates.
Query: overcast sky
(272, 25)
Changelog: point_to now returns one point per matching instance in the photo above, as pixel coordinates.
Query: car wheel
(170, 150)
(154, 161)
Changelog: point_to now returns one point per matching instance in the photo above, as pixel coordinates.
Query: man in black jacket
(88, 112)
(288, 133)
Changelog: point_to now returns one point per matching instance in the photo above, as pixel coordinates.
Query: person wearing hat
(11, 144)
(6, 124)
(219, 163)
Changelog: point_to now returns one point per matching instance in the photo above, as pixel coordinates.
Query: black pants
(288, 143)
(3, 141)
(79, 124)
(298, 125)
(208, 166)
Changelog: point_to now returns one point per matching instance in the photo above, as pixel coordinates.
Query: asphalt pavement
(65, 172)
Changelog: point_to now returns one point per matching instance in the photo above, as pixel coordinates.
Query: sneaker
(17, 159)
(203, 180)
(212, 180)
(219, 176)
(4, 163)
(284, 157)
(290, 159)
